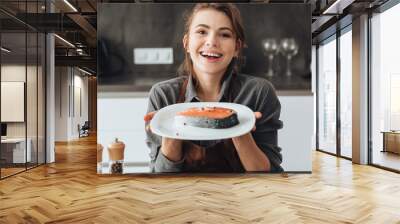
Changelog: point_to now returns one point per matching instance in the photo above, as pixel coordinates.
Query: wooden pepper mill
(116, 153)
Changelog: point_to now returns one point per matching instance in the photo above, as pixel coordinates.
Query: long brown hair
(233, 14)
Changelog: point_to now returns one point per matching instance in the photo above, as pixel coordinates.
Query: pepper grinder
(116, 153)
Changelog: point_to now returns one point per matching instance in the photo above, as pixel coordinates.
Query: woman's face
(211, 42)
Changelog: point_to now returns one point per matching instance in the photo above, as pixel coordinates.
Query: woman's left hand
(258, 115)
(251, 156)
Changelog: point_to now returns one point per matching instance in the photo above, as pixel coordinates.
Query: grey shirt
(256, 93)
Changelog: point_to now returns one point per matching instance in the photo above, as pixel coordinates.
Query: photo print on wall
(195, 88)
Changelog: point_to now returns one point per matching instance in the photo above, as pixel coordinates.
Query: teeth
(211, 54)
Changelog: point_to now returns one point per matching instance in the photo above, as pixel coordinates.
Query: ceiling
(76, 24)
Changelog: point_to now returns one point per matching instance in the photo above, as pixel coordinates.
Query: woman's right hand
(147, 118)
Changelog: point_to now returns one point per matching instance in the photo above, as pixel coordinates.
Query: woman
(213, 40)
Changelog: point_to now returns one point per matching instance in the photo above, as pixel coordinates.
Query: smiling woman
(213, 40)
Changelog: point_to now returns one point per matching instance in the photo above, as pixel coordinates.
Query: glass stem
(270, 70)
(289, 70)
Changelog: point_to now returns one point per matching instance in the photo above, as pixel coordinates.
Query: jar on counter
(116, 152)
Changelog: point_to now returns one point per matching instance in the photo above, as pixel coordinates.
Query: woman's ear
(185, 43)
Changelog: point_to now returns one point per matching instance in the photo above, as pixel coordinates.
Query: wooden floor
(5, 172)
(387, 159)
(70, 191)
(10, 171)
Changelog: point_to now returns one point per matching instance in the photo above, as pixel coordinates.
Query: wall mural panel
(140, 45)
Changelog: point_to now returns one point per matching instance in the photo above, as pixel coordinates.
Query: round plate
(163, 123)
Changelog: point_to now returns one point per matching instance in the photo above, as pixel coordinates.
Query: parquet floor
(9, 171)
(70, 191)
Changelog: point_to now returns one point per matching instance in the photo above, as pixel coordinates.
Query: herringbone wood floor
(70, 191)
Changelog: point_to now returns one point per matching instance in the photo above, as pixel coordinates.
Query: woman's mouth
(211, 56)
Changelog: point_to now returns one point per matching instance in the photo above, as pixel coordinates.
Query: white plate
(163, 123)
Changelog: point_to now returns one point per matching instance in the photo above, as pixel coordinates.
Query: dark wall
(123, 27)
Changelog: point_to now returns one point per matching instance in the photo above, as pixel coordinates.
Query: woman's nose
(211, 41)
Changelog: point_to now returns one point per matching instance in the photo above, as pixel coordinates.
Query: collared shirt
(256, 93)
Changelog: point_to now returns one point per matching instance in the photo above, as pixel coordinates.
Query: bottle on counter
(116, 152)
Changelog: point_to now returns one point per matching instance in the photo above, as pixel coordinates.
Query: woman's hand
(258, 115)
(147, 118)
(251, 156)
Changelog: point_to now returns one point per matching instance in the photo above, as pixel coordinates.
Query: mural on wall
(140, 45)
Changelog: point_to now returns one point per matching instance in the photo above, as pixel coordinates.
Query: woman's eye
(226, 35)
(201, 32)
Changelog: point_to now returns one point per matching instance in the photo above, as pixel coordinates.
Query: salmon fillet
(207, 117)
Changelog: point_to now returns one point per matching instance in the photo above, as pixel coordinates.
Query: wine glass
(270, 48)
(289, 48)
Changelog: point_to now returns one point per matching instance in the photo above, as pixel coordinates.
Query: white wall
(297, 135)
(14, 73)
(33, 126)
(81, 103)
(70, 84)
(61, 103)
(17, 73)
(122, 117)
